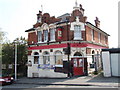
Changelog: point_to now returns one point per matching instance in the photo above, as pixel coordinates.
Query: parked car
(6, 79)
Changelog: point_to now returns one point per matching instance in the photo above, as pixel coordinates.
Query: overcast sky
(16, 16)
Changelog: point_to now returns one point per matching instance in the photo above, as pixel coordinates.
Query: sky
(16, 16)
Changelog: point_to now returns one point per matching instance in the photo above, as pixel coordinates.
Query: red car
(5, 79)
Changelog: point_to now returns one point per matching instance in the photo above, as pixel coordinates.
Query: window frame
(45, 35)
(36, 57)
(99, 37)
(77, 32)
(93, 34)
(56, 61)
(106, 39)
(46, 55)
(52, 34)
(39, 36)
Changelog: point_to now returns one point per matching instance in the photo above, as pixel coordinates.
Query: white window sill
(52, 41)
(78, 38)
(100, 43)
(40, 42)
(35, 64)
(93, 40)
(45, 42)
(58, 65)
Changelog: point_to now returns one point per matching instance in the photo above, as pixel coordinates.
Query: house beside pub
(65, 46)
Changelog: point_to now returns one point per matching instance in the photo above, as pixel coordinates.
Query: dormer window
(45, 32)
(52, 34)
(77, 32)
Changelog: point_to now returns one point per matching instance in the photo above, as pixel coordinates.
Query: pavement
(86, 81)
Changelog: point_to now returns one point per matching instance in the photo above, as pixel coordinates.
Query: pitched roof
(97, 28)
(31, 29)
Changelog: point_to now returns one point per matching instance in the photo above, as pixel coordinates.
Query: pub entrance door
(79, 66)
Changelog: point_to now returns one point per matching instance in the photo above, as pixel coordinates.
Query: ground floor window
(46, 58)
(36, 58)
(92, 65)
(58, 58)
(77, 54)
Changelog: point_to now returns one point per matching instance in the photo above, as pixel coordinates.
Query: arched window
(77, 54)
(46, 58)
(58, 58)
(36, 58)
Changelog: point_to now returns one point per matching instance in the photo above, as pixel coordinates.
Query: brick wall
(96, 37)
(32, 37)
(88, 34)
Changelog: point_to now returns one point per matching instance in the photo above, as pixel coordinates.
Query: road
(96, 81)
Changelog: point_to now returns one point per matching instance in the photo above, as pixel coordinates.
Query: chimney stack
(81, 9)
(39, 16)
(97, 22)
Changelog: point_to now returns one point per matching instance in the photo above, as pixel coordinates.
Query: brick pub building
(65, 46)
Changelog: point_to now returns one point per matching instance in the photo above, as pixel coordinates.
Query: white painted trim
(77, 23)
(52, 26)
(78, 38)
(52, 41)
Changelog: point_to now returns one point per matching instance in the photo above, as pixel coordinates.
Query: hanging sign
(59, 33)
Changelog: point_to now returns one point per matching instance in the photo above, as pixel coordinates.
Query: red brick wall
(32, 37)
(96, 37)
(102, 39)
(71, 34)
(77, 13)
(83, 35)
(88, 34)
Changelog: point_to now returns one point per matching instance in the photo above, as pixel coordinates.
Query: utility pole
(15, 61)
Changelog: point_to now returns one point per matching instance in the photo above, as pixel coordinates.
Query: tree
(21, 54)
(2, 34)
(8, 55)
(3, 38)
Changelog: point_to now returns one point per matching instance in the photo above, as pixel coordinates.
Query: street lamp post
(15, 61)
